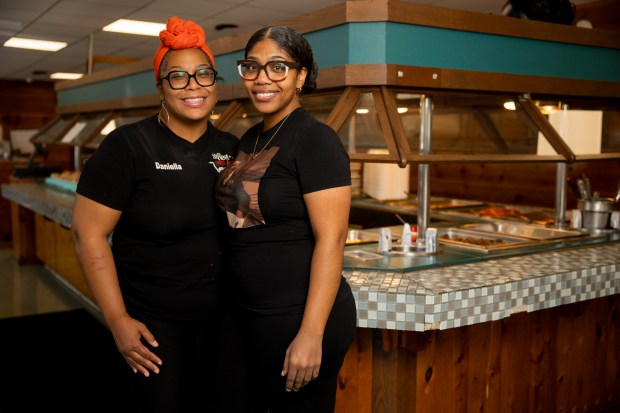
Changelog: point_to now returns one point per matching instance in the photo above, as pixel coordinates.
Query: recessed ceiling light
(225, 26)
(33, 44)
(70, 76)
(135, 27)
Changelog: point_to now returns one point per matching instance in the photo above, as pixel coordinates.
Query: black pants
(188, 376)
(266, 338)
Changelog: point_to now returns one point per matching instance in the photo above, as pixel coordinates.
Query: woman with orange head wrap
(150, 187)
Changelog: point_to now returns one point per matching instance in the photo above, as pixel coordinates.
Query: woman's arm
(329, 216)
(92, 223)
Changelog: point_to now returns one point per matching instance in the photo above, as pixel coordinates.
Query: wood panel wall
(521, 184)
(26, 105)
(563, 359)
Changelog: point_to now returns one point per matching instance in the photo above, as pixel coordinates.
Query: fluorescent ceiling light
(33, 44)
(61, 75)
(135, 27)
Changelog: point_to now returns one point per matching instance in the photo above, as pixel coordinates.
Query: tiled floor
(30, 289)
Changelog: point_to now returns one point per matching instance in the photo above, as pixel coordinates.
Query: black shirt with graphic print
(271, 239)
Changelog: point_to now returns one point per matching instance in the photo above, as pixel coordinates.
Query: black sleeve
(322, 161)
(107, 174)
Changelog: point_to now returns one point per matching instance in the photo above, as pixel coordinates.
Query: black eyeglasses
(179, 79)
(276, 70)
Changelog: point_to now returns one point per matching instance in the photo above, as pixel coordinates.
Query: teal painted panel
(368, 43)
(330, 46)
(336, 54)
(226, 65)
(137, 84)
(454, 49)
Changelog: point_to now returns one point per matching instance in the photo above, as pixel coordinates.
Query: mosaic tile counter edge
(454, 296)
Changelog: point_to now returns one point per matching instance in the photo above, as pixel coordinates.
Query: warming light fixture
(510, 105)
(66, 76)
(135, 27)
(362, 111)
(46, 45)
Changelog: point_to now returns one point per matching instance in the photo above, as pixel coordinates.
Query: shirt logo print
(169, 166)
(220, 161)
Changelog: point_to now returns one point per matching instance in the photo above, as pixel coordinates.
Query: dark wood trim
(428, 78)
(386, 127)
(426, 15)
(543, 125)
(598, 157)
(341, 111)
(482, 158)
(433, 16)
(229, 115)
(396, 125)
(423, 78)
(112, 73)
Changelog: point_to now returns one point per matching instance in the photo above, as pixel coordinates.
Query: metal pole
(423, 169)
(560, 178)
(91, 43)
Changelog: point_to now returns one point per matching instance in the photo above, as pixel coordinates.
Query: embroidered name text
(173, 166)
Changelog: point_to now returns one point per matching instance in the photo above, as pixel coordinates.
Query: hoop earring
(163, 112)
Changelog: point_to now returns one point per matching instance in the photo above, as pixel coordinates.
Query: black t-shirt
(167, 245)
(271, 239)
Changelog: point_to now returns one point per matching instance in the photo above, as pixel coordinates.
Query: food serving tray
(434, 203)
(536, 232)
(519, 214)
(480, 240)
(358, 237)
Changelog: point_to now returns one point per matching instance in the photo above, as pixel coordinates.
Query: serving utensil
(573, 186)
(583, 189)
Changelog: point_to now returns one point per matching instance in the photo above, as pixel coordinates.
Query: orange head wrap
(180, 34)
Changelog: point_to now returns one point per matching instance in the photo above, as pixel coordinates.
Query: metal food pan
(480, 240)
(359, 237)
(523, 230)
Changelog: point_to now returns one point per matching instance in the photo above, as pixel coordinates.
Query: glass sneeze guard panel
(243, 119)
(55, 129)
(85, 128)
(464, 123)
(119, 119)
(588, 126)
(361, 133)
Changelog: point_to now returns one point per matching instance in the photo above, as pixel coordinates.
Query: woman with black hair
(287, 196)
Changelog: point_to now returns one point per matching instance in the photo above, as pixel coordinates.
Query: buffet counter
(450, 289)
(475, 324)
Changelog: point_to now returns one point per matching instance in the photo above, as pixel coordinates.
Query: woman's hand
(128, 334)
(302, 360)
